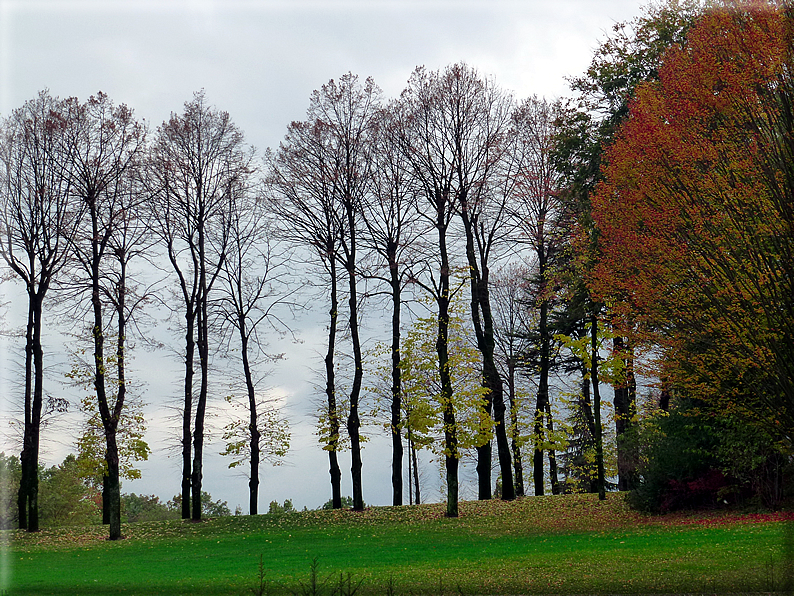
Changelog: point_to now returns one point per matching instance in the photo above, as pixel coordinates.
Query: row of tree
(673, 245)
(88, 204)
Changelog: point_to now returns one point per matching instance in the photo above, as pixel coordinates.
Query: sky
(260, 60)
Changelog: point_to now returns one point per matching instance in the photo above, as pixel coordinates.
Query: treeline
(639, 229)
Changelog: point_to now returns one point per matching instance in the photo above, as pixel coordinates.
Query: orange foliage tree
(696, 214)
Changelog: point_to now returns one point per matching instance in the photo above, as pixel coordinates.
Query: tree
(630, 56)
(106, 145)
(479, 126)
(335, 152)
(544, 222)
(91, 460)
(252, 290)
(198, 166)
(696, 208)
(128, 222)
(511, 320)
(423, 395)
(391, 221)
(302, 199)
(348, 109)
(427, 135)
(38, 218)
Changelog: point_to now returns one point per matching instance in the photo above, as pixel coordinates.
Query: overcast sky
(260, 60)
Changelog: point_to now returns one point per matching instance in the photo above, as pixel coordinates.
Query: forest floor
(570, 544)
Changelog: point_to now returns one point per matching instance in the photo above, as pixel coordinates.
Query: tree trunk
(202, 344)
(28, 495)
(417, 498)
(253, 482)
(482, 319)
(625, 403)
(187, 412)
(664, 397)
(23, 494)
(543, 395)
(396, 389)
(113, 485)
(201, 408)
(448, 409)
(330, 391)
(588, 414)
(38, 401)
(555, 481)
(484, 459)
(598, 438)
(353, 420)
(515, 434)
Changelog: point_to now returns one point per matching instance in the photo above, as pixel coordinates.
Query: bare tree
(484, 179)
(105, 145)
(341, 114)
(37, 220)
(198, 165)
(252, 291)
(301, 190)
(429, 124)
(392, 227)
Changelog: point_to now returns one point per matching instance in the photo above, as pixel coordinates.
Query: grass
(548, 545)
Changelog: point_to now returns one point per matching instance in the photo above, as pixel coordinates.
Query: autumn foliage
(695, 215)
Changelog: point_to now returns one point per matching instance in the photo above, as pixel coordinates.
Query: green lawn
(546, 545)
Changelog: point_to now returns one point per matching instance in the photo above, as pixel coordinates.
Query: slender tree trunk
(25, 457)
(111, 487)
(494, 383)
(482, 319)
(253, 482)
(330, 391)
(201, 408)
(555, 481)
(203, 349)
(447, 406)
(515, 432)
(417, 496)
(543, 396)
(664, 398)
(35, 423)
(396, 389)
(113, 484)
(625, 409)
(109, 418)
(598, 435)
(28, 496)
(187, 412)
(353, 419)
(484, 459)
(410, 476)
(588, 415)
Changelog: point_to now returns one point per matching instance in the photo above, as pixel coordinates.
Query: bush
(275, 508)
(209, 507)
(347, 503)
(10, 473)
(139, 508)
(694, 458)
(65, 499)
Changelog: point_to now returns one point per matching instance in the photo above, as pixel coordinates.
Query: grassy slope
(571, 544)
